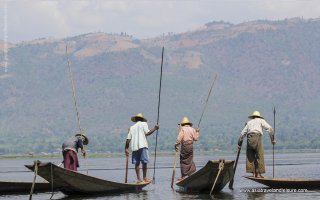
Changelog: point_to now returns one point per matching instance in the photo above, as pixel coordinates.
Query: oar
(174, 169)
(235, 167)
(155, 149)
(274, 133)
(126, 178)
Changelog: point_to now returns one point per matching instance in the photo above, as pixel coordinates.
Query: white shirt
(137, 135)
(256, 125)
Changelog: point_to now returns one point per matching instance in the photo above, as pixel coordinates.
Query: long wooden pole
(75, 101)
(73, 91)
(126, 177)
(235, 167)
(221, 166)
(205, 106)
(174, 169)
(155, 149)
(274, 129)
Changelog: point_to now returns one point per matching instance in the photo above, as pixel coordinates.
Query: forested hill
(259, 64)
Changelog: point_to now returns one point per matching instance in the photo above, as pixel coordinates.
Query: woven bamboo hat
(85, 139)
(255, 114)
(184, 121)
(139, 115)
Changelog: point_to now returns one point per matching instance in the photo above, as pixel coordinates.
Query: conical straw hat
(86, 140)
(255, 114)
(139, 115)
(185, 120)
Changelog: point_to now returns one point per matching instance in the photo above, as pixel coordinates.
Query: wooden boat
(75, 183)
(290, 183)
(203, 180)
(7, 187)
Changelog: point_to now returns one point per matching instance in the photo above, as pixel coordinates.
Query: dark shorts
(140, 155)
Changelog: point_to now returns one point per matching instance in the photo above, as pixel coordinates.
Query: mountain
(259, 65)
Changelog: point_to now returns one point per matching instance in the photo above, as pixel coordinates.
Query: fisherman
(187, 135)
(255, 153)
(70, 150)
(137, 136)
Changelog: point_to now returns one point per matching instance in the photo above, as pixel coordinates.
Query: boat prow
(75, 183)
(290, 183)
(203, 179)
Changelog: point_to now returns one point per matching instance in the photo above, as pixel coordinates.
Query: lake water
(293, 165)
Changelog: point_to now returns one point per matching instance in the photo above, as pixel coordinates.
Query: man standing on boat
(255, 153)
(137, 136)
(187, 135)
(70, 150)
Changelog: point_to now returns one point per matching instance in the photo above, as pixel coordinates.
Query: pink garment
(187, 133)
(70, 160)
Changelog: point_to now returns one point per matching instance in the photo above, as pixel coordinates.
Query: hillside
(259, 64)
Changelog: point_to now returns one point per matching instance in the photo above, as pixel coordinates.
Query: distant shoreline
(164, 153)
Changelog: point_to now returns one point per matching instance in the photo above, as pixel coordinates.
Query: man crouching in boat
(137, 135)
(255, 153)
(70, 150)
(186, 136)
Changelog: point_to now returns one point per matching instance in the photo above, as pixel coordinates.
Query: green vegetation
(257, 68)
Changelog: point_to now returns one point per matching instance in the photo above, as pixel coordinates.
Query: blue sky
(24, 20)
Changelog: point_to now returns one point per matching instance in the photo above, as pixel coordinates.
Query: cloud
(33, 19)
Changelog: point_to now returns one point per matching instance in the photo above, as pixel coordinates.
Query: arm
(126, 148)
(156, 127)
(242, 135)
(81, 146)
(196, 135)
(179, 139)
(268, 128)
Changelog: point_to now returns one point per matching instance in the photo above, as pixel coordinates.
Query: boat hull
(75, 183)
(203, 179)
(7, 187)
(290, 183)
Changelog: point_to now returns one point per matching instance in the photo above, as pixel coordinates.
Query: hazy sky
(24, 20)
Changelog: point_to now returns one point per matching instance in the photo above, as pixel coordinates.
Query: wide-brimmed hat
(184, 121)
(255, 114)
(86, 140)
(139, 115)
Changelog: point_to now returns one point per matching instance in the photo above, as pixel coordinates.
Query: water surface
(293, 165)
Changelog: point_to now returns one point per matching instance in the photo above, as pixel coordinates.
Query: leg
(144, 158)
(144, 170)
(73, 164)
(67, 160)
(250, 165)
(137, 168)
(136, 162)
(260, 159)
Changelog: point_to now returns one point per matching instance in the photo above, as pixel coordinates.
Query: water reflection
(256, 195)
(143, 194)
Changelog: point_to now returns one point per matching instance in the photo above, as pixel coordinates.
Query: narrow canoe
(22, 187)
(203, 179)
(75, 183)
(290, 183)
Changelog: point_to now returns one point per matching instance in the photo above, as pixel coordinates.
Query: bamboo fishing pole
(205, 106)
(155, 149)
(75, 100)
